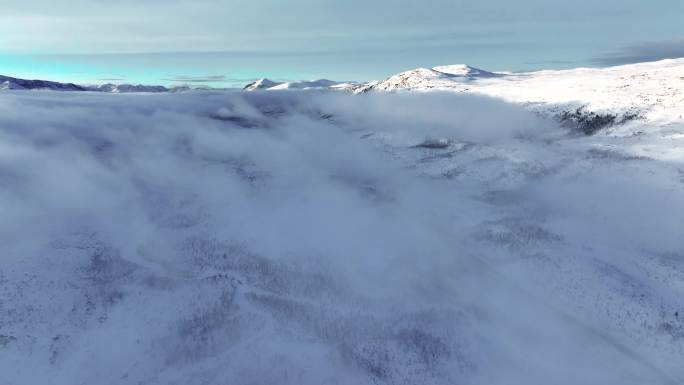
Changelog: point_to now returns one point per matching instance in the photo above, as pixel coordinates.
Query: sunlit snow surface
(326, 238)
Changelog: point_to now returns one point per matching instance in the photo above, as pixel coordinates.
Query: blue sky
(221, 42)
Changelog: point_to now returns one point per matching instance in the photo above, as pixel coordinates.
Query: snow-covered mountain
(653, 91)
(126, 88)
(261, 84)
(267, 84)
(9, 83)
(590, 98)
(442, 77)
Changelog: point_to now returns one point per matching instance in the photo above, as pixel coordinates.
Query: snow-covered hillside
(452, 77)
(588, 98)
(652, 91)
(329, 238)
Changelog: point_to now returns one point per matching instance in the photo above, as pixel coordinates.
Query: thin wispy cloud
(356, 39)
(200, 79)
(643, 52)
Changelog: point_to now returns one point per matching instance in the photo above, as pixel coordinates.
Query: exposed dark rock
(590, 122)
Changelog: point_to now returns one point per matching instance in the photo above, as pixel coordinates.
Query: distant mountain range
(267, 84)
(591, 98)
(10, 83)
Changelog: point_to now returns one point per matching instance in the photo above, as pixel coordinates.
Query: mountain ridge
(592, 98)
(7, 82)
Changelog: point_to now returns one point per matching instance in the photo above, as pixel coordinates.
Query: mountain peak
(464, 70)
(266, 84)
(11, 83)
(261, 84)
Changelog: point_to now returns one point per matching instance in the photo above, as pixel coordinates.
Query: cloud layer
(308, 238)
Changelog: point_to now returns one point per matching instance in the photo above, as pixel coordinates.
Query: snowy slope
(652, 91)
(454, 77)
(261, 84)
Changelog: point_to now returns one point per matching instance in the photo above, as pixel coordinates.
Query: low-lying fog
(317, 238)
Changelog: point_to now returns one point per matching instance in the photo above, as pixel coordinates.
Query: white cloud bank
(306, 238)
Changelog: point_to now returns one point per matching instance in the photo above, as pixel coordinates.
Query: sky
(230, 42)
